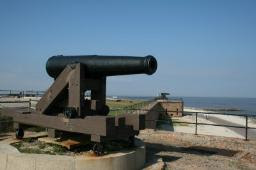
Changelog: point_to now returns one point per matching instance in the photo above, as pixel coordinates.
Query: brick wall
(157, 110)
(174, 108)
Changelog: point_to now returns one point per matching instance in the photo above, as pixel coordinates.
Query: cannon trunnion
(64, 107)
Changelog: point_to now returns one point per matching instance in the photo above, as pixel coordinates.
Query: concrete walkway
(240, 131)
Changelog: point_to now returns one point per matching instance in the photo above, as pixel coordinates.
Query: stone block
(3, 160)
(20, 162)
(125, 162)
(93, 164)
(53, 162)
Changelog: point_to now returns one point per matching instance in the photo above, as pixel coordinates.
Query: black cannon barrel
(97, 65)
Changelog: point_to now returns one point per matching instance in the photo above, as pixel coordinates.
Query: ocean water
(219, 104)
(224, 104)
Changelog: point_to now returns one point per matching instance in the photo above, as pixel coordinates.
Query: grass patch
(121, 104)
(33, 146)
(124, 106)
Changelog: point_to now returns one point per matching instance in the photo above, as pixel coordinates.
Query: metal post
(196, 125)
(29, 105)
(246, 127)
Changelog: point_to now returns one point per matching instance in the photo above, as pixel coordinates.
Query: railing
(246, 116)
(21, 93)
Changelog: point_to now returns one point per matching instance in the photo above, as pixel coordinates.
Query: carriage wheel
(19, 133)
(98, 149)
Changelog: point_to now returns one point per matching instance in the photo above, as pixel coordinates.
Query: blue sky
(203, 48)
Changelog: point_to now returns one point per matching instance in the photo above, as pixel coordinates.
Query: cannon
(99, 66)
(64, 108)
(91, 72)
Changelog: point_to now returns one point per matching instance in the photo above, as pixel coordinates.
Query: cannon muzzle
(97, 66)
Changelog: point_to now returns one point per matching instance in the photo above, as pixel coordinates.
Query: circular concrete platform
(133, 159)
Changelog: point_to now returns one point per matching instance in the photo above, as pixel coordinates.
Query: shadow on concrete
(165, 124)
(171, 125)
(153, 151)
(152, 157)
(211, 151)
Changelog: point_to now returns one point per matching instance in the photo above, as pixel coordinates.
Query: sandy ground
(213, 130)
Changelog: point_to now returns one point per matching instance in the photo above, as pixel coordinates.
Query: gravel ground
(184, 151)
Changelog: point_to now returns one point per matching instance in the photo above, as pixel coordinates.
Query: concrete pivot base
(125, 160)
